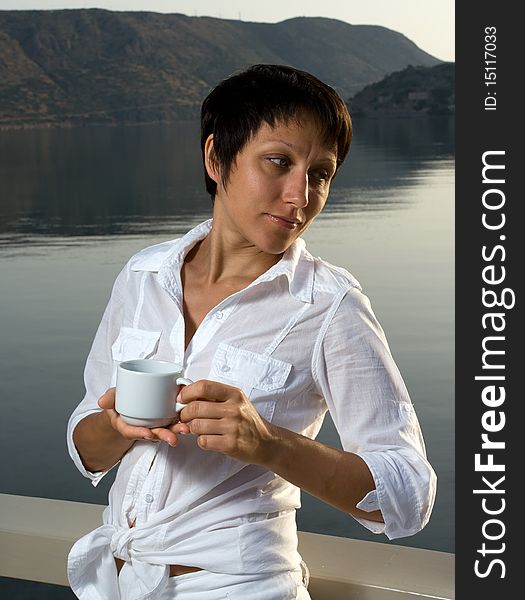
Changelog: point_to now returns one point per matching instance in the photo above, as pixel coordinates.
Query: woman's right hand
(131, 432)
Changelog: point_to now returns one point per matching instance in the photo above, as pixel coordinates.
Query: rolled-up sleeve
(98, 372)
(374, 416)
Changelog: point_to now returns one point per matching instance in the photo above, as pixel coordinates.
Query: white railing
(37, 533)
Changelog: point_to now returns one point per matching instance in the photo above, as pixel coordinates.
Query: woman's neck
(223, 258)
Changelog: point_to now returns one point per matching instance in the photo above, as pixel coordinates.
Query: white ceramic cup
(146, 392)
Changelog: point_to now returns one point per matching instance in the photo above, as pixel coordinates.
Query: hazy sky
(428, 23)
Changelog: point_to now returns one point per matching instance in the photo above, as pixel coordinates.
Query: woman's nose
(296, 189)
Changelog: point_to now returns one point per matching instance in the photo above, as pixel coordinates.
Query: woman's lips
(283, 222)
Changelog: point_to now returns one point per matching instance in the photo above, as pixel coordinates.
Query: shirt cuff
(372, 526)
(402, 483)
(94, 476)
(369, 503)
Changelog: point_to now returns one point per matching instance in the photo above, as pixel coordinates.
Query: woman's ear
(210, 160)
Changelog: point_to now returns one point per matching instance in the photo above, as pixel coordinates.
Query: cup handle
(182, 381)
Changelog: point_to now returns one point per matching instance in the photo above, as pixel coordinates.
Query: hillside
(76, 67)
(411, 92)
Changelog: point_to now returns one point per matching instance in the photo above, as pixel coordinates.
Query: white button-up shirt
(299, 340)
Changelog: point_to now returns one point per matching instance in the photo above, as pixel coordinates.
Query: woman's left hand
(224, 420)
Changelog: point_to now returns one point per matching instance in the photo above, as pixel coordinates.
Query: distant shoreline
(88, 124)
(78, 67)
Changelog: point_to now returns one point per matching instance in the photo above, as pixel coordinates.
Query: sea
(75, 204)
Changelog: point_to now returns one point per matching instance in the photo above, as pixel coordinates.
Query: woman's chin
(273, 245)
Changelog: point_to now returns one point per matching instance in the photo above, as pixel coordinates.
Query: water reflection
(129, 180)
(77, 204)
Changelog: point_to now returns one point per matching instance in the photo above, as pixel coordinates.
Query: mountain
(75, 67)
(410, 92)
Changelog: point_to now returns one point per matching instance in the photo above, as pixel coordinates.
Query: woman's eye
(279, 161)
(321, 175)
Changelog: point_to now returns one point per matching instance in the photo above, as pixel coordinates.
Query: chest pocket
(133, 343)
(260, 377)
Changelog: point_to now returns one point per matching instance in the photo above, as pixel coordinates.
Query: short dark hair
(237, 107)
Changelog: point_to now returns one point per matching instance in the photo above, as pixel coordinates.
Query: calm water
(75, 204)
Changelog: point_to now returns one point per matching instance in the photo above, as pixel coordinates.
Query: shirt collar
(296, 264)
(155, 258)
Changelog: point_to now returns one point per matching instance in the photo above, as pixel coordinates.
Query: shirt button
(219, 314)
(149, 498)
(76, 564)
(225, 368)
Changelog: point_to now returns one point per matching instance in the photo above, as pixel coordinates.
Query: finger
(203, 409)
(205, 389)
(131, 432)
(179, 428)
(107, 400)
(209, 427)
(212, 442)
(165, 435)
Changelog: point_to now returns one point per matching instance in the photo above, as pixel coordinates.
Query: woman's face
(278, 184)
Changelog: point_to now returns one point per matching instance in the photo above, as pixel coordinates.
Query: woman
(273, 338)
